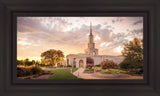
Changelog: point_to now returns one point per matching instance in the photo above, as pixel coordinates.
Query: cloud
(118, 19)
(137, 22)
(71, 34)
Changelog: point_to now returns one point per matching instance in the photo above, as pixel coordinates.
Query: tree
(133, 51)
(20, 62)
(52, 57)
(26, 61)
(33, 61)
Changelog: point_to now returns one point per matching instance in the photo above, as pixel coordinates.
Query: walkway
(95, 76)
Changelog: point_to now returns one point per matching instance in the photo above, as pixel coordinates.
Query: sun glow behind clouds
(70, 34)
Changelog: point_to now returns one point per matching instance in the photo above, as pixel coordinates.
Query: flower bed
(110, 71)
(107, 64)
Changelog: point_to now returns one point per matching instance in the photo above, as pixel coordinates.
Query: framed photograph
(79, 48)
(49, 48)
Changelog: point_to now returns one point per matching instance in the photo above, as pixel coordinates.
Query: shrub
(69, 66)
(108, 64)
(97, 69)
(97, 65)
(28, 71)
(89, 66)
(36, 70)
(23, 72)
(131, 63)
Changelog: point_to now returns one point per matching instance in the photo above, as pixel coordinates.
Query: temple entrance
(81, 63)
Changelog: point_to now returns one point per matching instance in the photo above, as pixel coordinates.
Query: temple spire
(90, 28)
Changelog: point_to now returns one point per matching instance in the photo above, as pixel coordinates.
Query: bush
(89, 66)
(97, 69)
(23, 72)
(69, 66)
(97, 65)
(135, 72)
(36, 70)
(28, 71)
(108, 64)
(130, 63)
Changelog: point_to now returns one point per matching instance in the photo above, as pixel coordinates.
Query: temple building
(91, 54)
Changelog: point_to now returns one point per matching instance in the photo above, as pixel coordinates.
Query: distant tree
(52, 57)
(20, 62)
(27, 62)
(37, 63)
(133, 51)
(33, 61)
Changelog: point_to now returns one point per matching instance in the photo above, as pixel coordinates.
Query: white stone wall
(97, 59)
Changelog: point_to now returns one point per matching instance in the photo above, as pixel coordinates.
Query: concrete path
(43, 76)
(79, 73)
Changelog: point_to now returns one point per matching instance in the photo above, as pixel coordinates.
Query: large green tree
(133, 51)
(52, 57)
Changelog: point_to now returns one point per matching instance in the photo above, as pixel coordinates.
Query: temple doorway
(81, 63)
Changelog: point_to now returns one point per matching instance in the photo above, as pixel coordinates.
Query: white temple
(80, 60)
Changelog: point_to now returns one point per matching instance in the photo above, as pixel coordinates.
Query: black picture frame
(10, 9)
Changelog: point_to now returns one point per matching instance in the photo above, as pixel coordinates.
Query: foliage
(98, 69)
(133, 51)
(69, 66)
(108, 64)
(110, 71)
(35, 70)
(28, 71)
(97, 65)
(89, 66)
(26, 62)
(90, 60)
(52, 57)
(132, 72)
(135, 72)
(20, 62)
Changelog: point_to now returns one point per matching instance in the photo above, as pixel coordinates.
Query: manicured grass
(63, 74)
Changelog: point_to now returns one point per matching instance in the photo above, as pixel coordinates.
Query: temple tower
(91, 45)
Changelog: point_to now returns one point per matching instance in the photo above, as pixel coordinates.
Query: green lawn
(63, 74)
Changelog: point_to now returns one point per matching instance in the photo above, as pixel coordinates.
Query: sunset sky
(70, 34)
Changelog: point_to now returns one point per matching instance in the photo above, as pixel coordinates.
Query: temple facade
(80, 60)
